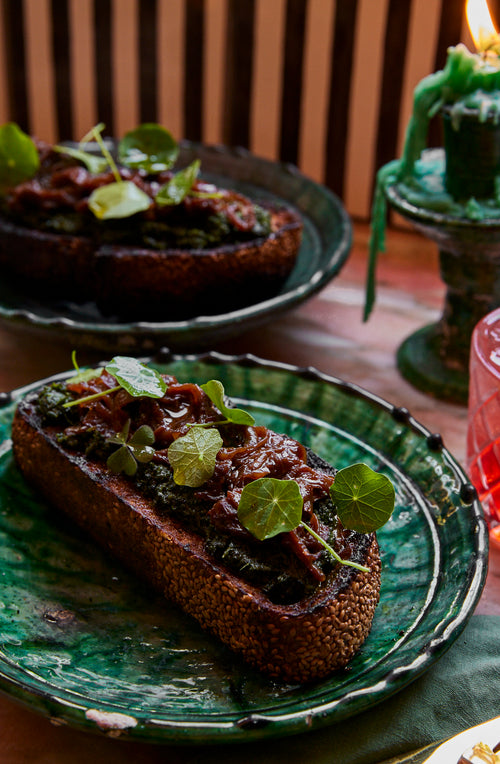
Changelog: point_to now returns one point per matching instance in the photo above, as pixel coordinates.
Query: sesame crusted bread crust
(297, 643)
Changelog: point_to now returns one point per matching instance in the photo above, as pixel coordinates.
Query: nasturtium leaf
(149, 147)
(192, 457)
(120, 199)
(364, 499)
(93, 162)
(122, 460)
(136, 378)
(215, 391)
(19, 158)
(269, 506)
(179, 186)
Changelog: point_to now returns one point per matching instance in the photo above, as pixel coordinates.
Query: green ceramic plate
(83, 642)
(325, 247)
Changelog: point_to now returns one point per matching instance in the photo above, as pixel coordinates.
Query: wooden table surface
(328, 333)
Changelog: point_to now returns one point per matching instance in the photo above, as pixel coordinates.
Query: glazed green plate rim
(324, 250)
(307, 708)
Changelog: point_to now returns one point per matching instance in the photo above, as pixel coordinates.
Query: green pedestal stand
(435, 359)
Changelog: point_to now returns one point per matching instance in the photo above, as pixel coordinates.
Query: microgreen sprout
(95, 134)
(94, 164)
(93, 397)
(206, 194)
(269, 506)
(138, 448)
(193, 456)
(179, 186)
(119, 199)
(364, 501)
(332, 551)
(81, 376)
(215, 391)
(136, 378)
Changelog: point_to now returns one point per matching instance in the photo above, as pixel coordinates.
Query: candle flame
(481, 25)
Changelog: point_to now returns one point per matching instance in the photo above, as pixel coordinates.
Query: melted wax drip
(468, 81)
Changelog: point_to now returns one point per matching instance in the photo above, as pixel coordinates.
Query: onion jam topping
(62, 187)
(249, 452)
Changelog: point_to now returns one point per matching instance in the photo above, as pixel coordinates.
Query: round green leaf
(192, 457)
(215, 391)
(149, 147)
(364, 499)
(118, 200)
(141, 444)
(122, 460)
(120, 437)
(144, 436)
(19, 158)
(178, 187)
(143, 454)
(269, 506)
(136, 378)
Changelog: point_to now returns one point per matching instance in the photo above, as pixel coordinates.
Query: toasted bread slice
(300, 642)
(137, 283)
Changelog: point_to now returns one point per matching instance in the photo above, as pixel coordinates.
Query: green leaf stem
(82, 376)
(364, 500)
(136, 378)
(93, 162)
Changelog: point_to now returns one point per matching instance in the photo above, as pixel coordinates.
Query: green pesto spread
(268, 565)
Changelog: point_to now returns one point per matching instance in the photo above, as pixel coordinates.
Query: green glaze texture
(83, 642)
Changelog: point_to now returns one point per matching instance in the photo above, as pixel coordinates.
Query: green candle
(469, 82)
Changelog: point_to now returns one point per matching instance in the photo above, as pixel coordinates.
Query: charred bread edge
(298, 643)
(74, 262)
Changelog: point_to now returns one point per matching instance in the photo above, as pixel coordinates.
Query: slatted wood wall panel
(324, 84)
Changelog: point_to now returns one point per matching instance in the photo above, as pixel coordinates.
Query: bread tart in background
(126, 231)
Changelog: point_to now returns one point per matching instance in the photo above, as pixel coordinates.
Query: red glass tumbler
(483, 432)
